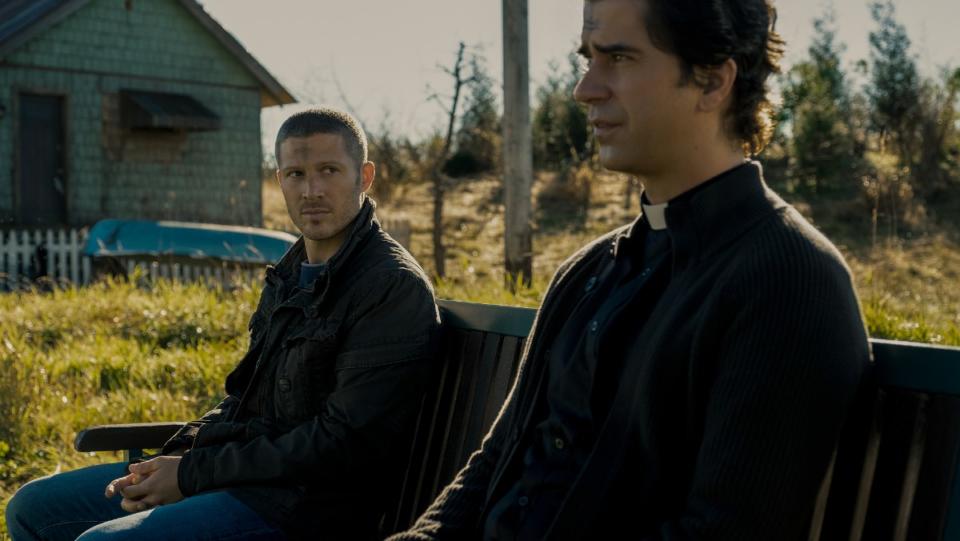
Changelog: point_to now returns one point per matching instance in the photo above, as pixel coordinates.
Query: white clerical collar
(656, 215)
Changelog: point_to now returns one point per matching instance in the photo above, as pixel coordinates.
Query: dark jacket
(316, 425)
(729, 401)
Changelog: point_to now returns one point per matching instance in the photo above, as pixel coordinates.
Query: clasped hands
(149, 484)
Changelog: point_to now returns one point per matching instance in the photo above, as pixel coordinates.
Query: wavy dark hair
(326, 120)
(705, 33)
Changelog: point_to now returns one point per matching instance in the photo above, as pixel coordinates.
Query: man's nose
(589, 89)
(314, 186)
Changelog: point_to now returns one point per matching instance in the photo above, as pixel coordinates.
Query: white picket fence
(63, 262)
(224, 274)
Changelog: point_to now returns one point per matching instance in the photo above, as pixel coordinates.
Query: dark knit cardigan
(730, 399)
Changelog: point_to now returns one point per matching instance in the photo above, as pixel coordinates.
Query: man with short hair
(305, 443)
(687, 375)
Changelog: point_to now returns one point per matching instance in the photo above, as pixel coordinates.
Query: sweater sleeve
(381, 371)
(791, 352)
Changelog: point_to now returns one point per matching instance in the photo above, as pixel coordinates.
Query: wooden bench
(894, 475)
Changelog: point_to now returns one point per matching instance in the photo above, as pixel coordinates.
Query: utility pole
(517, 143)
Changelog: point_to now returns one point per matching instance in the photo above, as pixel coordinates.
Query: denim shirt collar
(285, 275)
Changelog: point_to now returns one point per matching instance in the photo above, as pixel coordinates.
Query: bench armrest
(126, 436)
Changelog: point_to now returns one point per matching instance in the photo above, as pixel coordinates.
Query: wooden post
(63, 253)
(87, 267)
(28, 257)
(13, 260)
(75, 248)
(517, 143)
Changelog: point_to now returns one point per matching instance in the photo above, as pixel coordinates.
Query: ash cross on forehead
(589, 22)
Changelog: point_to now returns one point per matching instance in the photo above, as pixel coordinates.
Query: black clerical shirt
(578, 390)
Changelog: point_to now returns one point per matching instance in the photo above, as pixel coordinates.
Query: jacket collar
(711, 215)
(287, 270)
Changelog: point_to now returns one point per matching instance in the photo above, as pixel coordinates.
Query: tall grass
(108, 353)
(909, 290)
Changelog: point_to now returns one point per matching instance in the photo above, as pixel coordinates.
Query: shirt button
(558, 443)
(591, 283)
(523, 501)
(284, 385)
(645, 272)
(594, 326)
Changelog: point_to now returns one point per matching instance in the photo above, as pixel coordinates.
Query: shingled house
(127, 109)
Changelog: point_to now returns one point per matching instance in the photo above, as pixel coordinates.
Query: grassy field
(113, 352)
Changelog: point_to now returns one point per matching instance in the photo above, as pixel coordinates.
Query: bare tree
(440, 180)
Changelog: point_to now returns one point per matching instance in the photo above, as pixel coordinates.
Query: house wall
(112, 172)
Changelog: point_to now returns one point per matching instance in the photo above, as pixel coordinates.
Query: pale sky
(385, 53)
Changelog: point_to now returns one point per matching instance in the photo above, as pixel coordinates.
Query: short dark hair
(705, 33)
(326, 120)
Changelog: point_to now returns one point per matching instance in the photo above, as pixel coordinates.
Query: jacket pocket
(306, 373)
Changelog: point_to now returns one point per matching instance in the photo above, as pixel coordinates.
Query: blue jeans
(71, 505)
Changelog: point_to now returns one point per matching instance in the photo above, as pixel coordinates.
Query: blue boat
(168, 240)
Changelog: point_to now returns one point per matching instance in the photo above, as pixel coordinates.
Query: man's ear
(367, 173)
(717, 85)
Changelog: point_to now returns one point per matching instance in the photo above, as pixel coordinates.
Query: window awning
(162, 111)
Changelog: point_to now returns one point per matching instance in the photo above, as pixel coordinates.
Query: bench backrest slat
(893, 486)
(476, 395)
(938, 467)
(842, 501)
(459, 406)
(480, 353)
(952, 529)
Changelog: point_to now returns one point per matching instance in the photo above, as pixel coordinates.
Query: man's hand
(149, 484)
